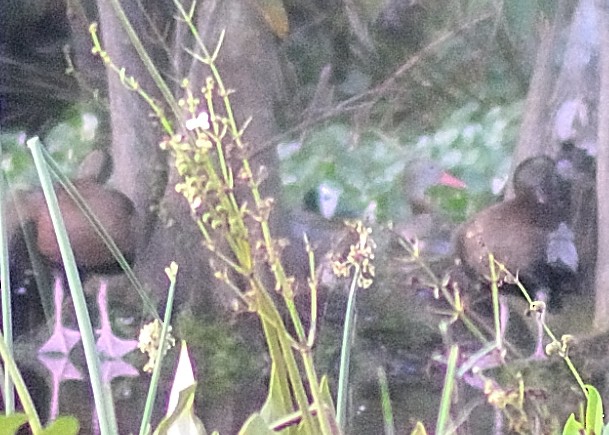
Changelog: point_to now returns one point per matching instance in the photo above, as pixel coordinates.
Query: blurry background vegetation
(369, 86)
(372, 84)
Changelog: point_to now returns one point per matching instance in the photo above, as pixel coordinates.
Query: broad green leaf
(594, 411)
(255, 425)
(66, 425)
(10, 423)
(279, 400)
(572, 426)
(182, 420)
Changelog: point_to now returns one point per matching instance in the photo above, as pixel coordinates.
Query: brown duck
(528, 234)
(427, 224)
(113, 209)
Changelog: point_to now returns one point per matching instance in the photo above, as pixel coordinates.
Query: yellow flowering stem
(445, 293)
(495, 299)
(131, 84)
(145, 58)
(313, 290)
(235, 134)
(276, 266)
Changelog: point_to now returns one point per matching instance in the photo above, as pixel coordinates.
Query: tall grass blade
(107, 424)
(8, 392)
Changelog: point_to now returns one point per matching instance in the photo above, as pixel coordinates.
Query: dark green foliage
(225, 360)
(67, 141)
(473, 142)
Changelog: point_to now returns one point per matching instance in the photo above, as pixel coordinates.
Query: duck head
(537, 181)
(419, 176)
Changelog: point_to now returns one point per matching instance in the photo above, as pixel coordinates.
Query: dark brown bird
(527, 234)
(427, 224)
(518, 231)
(114, 211)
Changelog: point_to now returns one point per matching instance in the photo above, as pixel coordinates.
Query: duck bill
(450, 180)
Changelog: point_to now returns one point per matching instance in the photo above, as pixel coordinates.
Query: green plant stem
(22, 391)
(316, 393)
(267, 307)
(495, 300)
(447, 391)
(107, 424)
(451, 301)
(129, 82)
(8, 392)
(282, 350)
(156, 372)
(298, 386)
(146, 60)
(576, 375)
(388, 419)
(276, 266)
(313, 289)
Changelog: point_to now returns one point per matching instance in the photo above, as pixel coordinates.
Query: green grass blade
(7, 315)
(156, 372)
(388, 419)
(447, 391)
(22, 391)
(107, 424)
(345, 355)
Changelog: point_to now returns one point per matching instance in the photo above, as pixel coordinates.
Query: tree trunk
(249, 65)
(601, 313)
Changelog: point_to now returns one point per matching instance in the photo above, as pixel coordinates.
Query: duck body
(432, 231)
(114, 211)
(515, 231)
